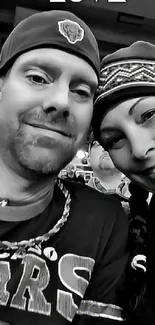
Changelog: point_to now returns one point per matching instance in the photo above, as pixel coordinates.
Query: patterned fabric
(127, 74)
(77, 275)
(121, 190)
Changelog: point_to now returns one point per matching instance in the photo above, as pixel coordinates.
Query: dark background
(115, 25)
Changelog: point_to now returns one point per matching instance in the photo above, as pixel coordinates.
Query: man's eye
(82, 92)
(147, 115)
(37, 79)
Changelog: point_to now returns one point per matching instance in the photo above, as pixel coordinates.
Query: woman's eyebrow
(134, 106)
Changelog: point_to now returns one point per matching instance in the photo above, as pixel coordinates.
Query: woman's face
(128, 134)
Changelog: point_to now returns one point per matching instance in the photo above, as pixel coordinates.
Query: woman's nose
(141, 145)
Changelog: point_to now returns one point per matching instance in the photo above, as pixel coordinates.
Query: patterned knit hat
(126, 73)
(57, 29)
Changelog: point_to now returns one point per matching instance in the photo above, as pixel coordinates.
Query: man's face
(100, 159)
(46, 106)
(128, 133)
(70, 170)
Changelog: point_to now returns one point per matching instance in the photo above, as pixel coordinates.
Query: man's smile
(48, 127)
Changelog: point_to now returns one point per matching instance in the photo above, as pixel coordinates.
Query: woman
(124, 124)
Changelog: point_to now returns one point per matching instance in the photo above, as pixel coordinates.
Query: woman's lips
(149, 171)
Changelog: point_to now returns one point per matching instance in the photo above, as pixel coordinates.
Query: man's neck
(18, 188)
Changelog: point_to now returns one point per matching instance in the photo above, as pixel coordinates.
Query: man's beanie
(126, 73)
(56, 29)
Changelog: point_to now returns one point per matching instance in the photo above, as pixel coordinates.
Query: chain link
(22, 245)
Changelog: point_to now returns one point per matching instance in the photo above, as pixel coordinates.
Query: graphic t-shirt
(73, 277)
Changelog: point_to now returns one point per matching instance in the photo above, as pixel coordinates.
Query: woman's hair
(138, 238)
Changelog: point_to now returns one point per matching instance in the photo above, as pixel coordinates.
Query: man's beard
(43, 162)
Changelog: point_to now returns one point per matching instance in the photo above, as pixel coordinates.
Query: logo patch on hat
(71, 30)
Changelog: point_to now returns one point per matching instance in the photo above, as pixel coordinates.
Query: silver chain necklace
(22, 245)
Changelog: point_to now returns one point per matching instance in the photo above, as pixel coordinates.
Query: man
(71, 174)
(62, 256)
(106, 177)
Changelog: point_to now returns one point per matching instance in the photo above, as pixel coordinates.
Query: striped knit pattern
(124, 74)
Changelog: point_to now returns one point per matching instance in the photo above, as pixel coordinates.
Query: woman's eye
(147, 115)
(115, 143)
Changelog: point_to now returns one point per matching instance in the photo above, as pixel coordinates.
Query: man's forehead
(49, 58)
(48, 54)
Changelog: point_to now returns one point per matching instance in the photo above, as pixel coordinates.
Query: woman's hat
(126, 73)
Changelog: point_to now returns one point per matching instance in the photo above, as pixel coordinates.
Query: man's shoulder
(99, 213)
(93, 200)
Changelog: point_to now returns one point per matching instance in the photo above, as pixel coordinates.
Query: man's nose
(57, 99)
